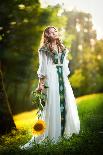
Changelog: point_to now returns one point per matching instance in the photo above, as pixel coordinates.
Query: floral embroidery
(62, 98)
(55, 57)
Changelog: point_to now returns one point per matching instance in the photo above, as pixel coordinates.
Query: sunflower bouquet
(39, 100)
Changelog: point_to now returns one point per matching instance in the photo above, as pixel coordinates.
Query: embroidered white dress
(60, 112)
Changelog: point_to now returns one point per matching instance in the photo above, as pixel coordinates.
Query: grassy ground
(88, 142)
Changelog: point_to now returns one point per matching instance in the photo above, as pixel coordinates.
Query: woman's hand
(41, 84)
(40, 87)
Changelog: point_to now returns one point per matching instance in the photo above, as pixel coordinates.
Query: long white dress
(61, 118)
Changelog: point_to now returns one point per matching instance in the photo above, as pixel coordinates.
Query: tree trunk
(6, 118)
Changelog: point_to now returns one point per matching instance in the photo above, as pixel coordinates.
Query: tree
(79, 26)
(6, 118)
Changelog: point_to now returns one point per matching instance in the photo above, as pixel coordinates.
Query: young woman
(60, 112)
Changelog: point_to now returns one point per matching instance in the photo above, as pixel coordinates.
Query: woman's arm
(66, 63)
(41, 84)
(42, 70)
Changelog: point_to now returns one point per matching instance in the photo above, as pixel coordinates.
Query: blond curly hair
(46, 40)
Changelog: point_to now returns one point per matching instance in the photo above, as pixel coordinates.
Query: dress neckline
(56, 52)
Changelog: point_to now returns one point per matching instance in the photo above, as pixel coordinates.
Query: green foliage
(39, 98)
(86, 64)
(77, 78)
(68, 39)
(57, 20)
(21, 42)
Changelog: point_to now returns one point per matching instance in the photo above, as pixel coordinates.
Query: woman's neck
(57, 48)
(53, 42)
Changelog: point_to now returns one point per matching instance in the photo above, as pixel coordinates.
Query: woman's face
(53, 33)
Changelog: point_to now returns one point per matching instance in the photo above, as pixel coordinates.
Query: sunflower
(39, 127)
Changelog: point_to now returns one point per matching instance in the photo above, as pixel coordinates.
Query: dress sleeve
(66, 63)
(42, 69)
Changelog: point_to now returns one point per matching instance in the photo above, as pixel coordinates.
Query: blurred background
(21, 25)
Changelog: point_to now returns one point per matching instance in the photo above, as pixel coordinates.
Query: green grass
(88, 142)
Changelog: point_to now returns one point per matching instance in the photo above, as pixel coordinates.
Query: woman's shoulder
(65, 49)
(43, 48)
